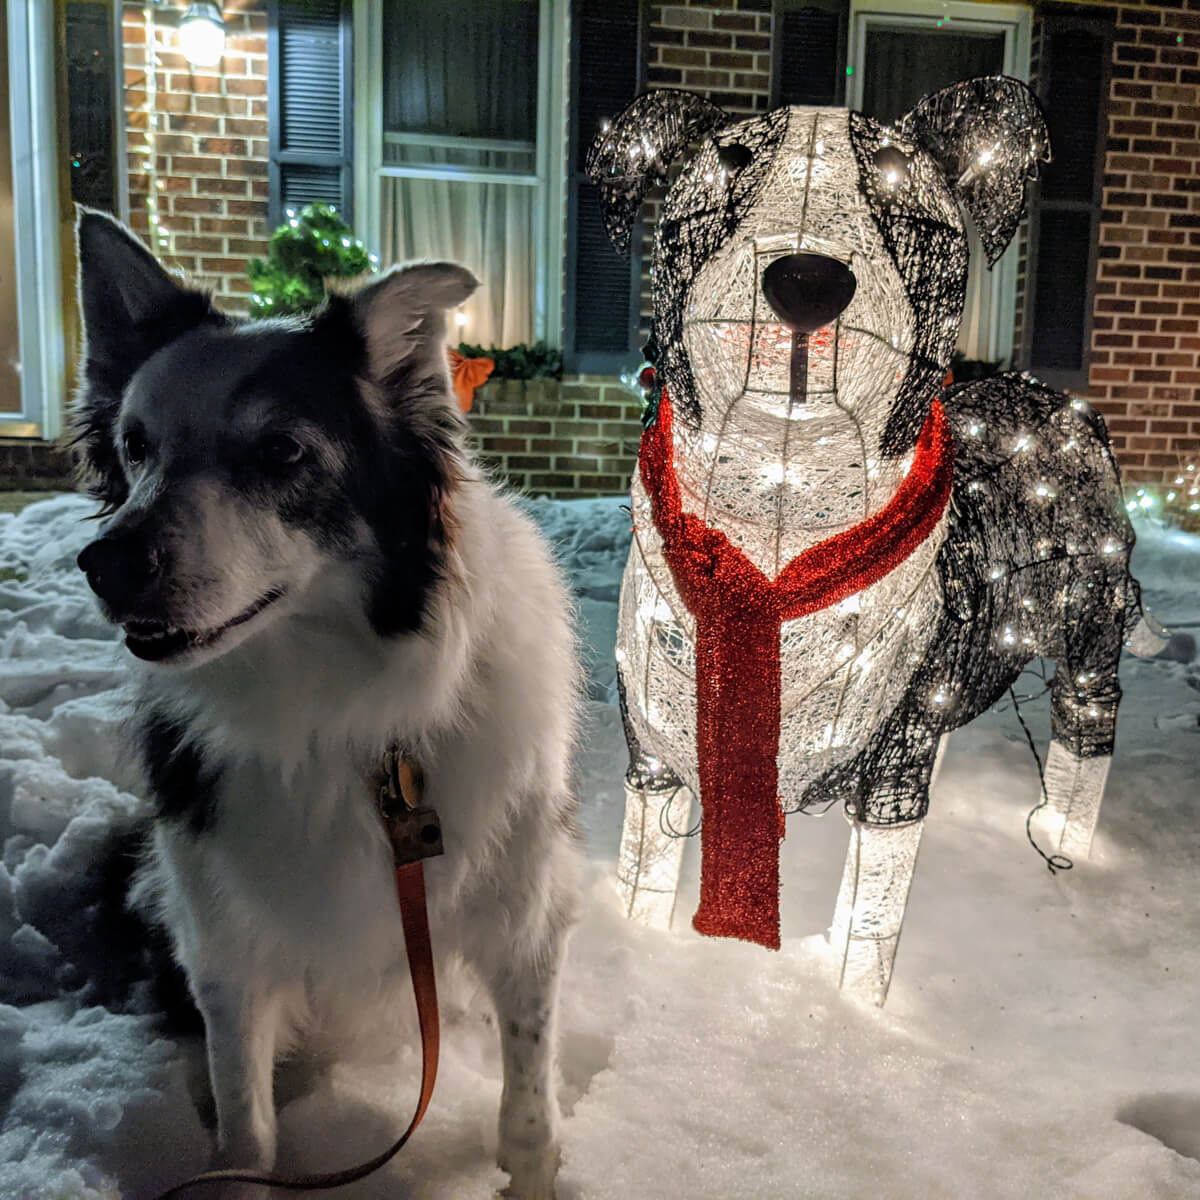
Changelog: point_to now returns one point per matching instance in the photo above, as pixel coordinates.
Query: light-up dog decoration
(834, 563)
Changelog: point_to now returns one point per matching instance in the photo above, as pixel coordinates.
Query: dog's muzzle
(806, 292)
(121, 569)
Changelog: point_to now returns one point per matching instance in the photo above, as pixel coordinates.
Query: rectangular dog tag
(415, 834)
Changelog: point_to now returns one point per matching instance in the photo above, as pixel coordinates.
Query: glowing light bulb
(202, 34)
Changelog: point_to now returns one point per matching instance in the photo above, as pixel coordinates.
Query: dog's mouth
(156, 641)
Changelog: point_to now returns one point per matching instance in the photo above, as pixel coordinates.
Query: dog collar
(739, 613)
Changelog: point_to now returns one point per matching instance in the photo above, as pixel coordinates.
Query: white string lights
(160, 233)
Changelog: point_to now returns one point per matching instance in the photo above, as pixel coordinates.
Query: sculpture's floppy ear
(988, 136)
(635, 150)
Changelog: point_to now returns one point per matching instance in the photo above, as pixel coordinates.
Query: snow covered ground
(1040, 1039)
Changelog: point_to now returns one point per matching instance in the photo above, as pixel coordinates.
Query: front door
(901, 50)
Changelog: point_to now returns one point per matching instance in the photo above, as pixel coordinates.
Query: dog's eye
(281, 449)
(135, 448)
(892, 165)
(734, 157)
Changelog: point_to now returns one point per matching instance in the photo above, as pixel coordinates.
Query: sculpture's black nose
(121, 568)
(808, 290)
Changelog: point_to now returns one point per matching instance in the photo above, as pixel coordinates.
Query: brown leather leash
(415, 834)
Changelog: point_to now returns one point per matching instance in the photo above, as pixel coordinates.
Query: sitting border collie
(309, 569)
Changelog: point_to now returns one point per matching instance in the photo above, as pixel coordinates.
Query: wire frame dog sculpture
(835, 561)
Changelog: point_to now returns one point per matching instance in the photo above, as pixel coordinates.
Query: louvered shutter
(810, 53)
(601, 309)
(311, 147)
(1064, 225)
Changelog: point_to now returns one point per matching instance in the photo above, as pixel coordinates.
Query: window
(464, 154)
(40, 378)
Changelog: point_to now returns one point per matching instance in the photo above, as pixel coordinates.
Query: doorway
(901, 50)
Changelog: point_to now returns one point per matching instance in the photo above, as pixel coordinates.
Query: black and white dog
(308, 568)
(915, 548)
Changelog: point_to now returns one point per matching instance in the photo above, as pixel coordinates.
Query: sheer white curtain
(488, 227)
(460, 94)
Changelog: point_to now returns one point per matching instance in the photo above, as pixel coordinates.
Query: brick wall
(720, 51)
(578, 438)
(207, 176)
(1145, 367)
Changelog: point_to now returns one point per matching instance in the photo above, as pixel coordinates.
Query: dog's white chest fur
(300, 877)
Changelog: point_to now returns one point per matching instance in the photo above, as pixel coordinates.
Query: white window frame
(1016, 24)
(36, 222)
(549, 175)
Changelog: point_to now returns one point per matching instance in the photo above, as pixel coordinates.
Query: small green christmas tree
(312, 245)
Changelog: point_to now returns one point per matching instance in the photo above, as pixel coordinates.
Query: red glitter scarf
(739, 612)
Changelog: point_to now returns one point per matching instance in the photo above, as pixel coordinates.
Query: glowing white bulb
(202, 35)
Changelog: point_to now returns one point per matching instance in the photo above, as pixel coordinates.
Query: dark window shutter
(308, 51)
(1074, 96)
(1060, 309)
(601, 309)
(810, 53)
(1064, 225)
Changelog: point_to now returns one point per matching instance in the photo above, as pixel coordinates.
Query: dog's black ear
(634, 151)
(988, 136)
(403, 319)
(130, 307)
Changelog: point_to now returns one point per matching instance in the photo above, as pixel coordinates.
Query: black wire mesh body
(1035, 564)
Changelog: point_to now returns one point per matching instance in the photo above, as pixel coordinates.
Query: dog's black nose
(120, 569)
(808, 290)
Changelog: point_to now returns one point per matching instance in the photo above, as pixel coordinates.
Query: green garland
(315, 244)
(312, 245)
(537, 361)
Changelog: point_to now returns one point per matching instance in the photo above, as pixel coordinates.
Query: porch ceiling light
(202, 34)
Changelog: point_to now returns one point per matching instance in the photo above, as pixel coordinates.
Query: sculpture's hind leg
(1083, 708)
